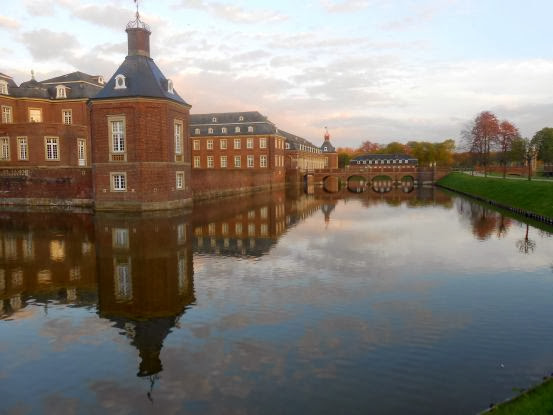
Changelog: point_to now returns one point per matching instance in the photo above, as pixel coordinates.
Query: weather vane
(136, 3)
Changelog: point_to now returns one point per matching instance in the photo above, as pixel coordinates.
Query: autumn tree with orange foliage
(507, 134)
(482, 136)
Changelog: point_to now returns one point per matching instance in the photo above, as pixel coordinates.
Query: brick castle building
(131, 144)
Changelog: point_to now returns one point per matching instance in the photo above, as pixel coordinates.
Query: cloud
(8, 23)
(40, 7)
(233, 13)
(43, 44)
(345, 6)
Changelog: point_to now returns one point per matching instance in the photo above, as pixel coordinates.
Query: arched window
(120, 82)
(236, 129)
(241, 118)
(60, 92)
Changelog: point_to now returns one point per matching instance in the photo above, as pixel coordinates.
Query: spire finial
(137, 13)
(33, 74)
(327, 134)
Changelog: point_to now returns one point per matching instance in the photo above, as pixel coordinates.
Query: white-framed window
(287, 146)
(81, 151)
(67, 116)
(22, 148)
(120, 82)
(210, 130)
(7, 117)
(52, 148)
(210, 144)
(264, 229)
(122, 279)
(249, 143)
(170, 88)
(101, 80)
(3, 87)
(4, 148)
(238, 229)
(237, 161)
(196, 144)
(35, 115)
(236, 129)
(262, 142)
(214, 119)
(224, 130)
(276, 161)
(250, 161)
(250, 129)
(262, 161)
(224, 228)
(325, 148)
(117, 130)
(178, 137)
(60, 92)
(197, 162)
(120, 238)
(237, 144)
(241, 118)
(180, 180)
(223, 162)
(197, 131)
(118, 182)
(210, 163)
(223, 144)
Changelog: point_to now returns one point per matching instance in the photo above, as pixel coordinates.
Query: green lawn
(536, 197)
(537, 401)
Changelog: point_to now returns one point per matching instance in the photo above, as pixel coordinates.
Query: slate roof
(143, 79)
(78, 85)
(327, 147)
(230, 120)
(373, 157)
(294, 142)
(9, 80)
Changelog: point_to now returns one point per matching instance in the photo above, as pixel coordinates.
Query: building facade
(131, 144)
(385, 161)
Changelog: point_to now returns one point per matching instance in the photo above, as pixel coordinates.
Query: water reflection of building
(249, 226)
(144, 279)
(46, 257)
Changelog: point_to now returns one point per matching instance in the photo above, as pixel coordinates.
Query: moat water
(278, 303)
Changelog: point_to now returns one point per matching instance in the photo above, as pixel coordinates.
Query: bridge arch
(331, 184)
(357, 183)
(382, 183)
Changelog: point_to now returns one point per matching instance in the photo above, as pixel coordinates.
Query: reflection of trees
(483, 222)
(503, 226)
(526, 245)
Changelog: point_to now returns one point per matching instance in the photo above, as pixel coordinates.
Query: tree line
(490, 141)
(426, 152)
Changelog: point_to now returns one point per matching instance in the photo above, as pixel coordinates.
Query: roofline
(139, 97)
(233, 123)
(72, 82)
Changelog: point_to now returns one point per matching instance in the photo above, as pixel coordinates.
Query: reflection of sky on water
(383, 309)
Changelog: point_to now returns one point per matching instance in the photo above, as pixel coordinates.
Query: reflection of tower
(145, 279)
(327, 210)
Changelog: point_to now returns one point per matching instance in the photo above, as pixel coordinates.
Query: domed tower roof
(138, 75)
(327, 146)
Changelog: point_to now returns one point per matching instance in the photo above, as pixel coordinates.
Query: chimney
(139, 41)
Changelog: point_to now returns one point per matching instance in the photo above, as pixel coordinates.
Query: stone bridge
(379, 178)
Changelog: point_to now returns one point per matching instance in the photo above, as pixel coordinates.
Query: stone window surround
(5, 153)
(39, 113)
(4, 87)
(179, 177)
(112, 181)
(178, 134)
(67, 115)
(112, 151)
(22, 148)
(53, 143)
(7, 114)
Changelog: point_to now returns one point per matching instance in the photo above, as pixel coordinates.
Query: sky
(378, 70)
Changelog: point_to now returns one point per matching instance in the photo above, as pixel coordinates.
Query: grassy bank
(536, 197)
(538, 400)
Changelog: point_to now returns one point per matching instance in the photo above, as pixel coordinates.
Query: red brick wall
(51, 109)
(214, 182)
(150, 166)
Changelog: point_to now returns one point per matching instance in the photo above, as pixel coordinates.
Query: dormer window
(170, 86)
(224, 130)
(101, 80)
(3, 87)
(120, 82)
(210, 130)
(61, 92)
(214, 119)
(250, 129)
(241, 118)
(197, 131)
(325, 148)
(236, 129)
